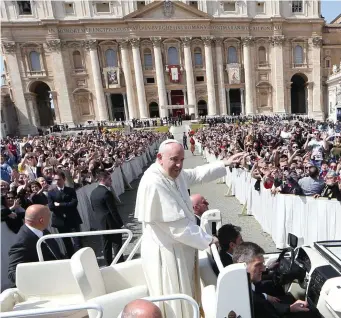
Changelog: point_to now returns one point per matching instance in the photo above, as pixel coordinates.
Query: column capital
(277, 40)
(242, 89)
(54, 45)
(53, 94)
(90, 44)
(317, 41)
(123, 43)
(218, 41)
(186, 41)
(207, 40)
(30, 96)
(227, 89)
(9, 47)
(156, 41)
(247, 40)
(310, 85)
(135, 42)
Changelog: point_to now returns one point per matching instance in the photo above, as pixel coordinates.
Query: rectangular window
(198, 59)
(200, 78)
(327, 63)
(297, 6)
(229, 6)
(150, 80)
(260, 7)
(69, 8)
(102, 7)
(24, 7)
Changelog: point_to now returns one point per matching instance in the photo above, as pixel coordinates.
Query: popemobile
(79, 288)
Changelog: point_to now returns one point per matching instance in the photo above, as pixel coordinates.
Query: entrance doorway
(177, 98)
(154, 110)
(202, 108)
(235, 102)
(298, 94)
(117, 106)
(43, 103)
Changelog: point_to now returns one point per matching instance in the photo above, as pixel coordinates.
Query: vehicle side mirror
(294, 241)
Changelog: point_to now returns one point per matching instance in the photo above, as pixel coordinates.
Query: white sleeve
(186, 232)
(206, 173)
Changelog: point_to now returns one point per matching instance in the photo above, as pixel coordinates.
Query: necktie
(46, 232)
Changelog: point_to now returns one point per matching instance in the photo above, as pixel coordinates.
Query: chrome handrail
(44, 311)
(88, 233)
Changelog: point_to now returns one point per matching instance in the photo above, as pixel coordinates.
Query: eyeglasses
(56, 179)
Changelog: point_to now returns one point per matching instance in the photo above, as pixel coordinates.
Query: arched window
(197, 57)
(173, 57)
(262, 55)
(110, 58)
(232, 55)
(35, 61)
(148, 59)
(298, 54)
(77, 60)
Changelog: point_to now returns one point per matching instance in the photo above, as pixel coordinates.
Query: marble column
(227, 101)
(91, 46)
(31, 99)
(124, 47)
(56, 106)
(318, 108)
(185, 101)
(309, 98)
(126, 112)
(220, 77)
(110, 108)
(169, 95)
(242, 100)
(141, 94)
(160, 77)
(12, 58)
(186, 41)
(278, 74)
(210, 76)
(250, 93)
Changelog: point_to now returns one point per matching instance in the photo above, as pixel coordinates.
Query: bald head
(199, 203)
(171, 156)
(38, 216)
(141, 308)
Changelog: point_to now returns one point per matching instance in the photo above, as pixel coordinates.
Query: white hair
(163, 145)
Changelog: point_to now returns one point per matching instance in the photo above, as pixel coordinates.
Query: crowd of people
(286, 154)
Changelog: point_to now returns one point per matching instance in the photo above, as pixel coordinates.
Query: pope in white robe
(171, 236)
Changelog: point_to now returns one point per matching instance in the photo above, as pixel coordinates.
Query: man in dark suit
(200, 205)
(65, 217)
(106, 213)
(37, 219)
(266, 306)
(229, 238)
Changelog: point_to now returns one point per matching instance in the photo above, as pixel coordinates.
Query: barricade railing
(88, 233)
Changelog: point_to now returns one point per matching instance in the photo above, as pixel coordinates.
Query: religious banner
(233, 71)
(174, 72)
(112, 77)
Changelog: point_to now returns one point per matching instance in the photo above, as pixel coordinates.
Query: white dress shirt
(35, 231)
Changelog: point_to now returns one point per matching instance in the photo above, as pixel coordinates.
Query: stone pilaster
(220, 76)
(242, 100)
(31, 101)
(109, 103)
(54, 95)
(249, 80)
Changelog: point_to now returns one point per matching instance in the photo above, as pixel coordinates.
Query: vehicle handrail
(88, 233)
(216, 257)
(194, 304)
(134, 250)
(44, 311)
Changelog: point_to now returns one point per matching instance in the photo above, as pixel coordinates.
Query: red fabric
(192, 141)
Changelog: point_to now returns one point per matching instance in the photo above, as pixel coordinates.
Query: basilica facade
(71, 62)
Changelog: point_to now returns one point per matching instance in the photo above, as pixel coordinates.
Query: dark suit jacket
(264, 309)
(226, 259)
(25, 251)
(66, 214)
(198, 220)
(104, 206)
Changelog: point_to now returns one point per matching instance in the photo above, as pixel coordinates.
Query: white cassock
(171, 236)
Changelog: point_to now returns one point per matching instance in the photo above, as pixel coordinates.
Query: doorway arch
(202, 107)
(43, 104)
(298, 94)
(154, 110)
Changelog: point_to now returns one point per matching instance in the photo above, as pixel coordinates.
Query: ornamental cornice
(9, 47)
(186, 41)
(317, 41)
(277, 40)
(54, 45)
(248, 40)
(156, 40)
(135, 42)
(90, 44)
(207, 40)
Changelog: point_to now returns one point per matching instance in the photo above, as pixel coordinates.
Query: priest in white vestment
(171, 236)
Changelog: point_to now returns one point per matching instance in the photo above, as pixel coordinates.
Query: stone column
(278, 74)
(186, 41)
(249, 81)
(185, 101)
(210, 76)
(289, 97)
(56, 106)
(31, 99)
(310, 98)
(25, 125)
(227, 101)
(109, 103)
(160, 78)
(220, 77)
(66, 110)
(318, 109)
(242, 100)
(169, 97)
(141, 94)
(126, 112)
(91, 46)
(124, 47)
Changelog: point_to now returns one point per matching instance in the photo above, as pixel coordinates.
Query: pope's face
(172, 159)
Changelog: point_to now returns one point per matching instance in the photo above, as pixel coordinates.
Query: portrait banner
(233, 71)
(174, 72)
(112, 77)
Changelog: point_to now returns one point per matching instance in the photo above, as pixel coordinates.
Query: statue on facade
(335, 70)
